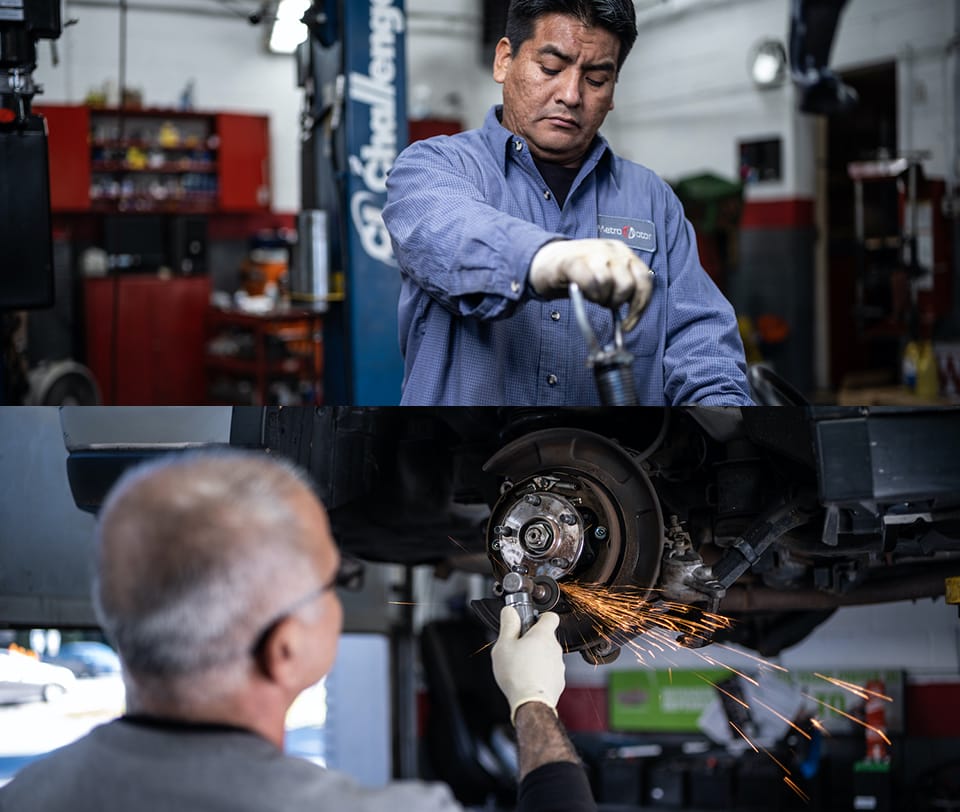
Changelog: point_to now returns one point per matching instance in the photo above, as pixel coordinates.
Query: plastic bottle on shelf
(908, 365)
(928, 380)
(168, 135)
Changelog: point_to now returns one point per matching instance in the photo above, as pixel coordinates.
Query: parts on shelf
(264, 359)
(155, 160)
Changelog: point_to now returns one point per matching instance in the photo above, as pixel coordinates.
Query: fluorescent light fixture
(288, 32)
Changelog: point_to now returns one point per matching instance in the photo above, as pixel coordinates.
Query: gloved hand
(528, 668)
(607, 271)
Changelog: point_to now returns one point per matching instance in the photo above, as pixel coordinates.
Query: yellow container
(928, 381)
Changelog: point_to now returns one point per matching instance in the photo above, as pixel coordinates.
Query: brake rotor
(575, 506)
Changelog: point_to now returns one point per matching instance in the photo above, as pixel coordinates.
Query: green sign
(673, 701)
(661, 701)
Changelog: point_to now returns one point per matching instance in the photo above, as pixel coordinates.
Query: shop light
(768, 63)
(288, 31)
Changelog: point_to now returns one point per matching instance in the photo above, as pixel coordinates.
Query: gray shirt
(129, 766)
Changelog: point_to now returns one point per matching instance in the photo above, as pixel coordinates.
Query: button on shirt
(467, 213)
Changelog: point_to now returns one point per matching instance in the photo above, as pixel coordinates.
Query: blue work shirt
(467, 213)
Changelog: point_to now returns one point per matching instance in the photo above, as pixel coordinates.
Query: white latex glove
(528, 668)
(607, 271)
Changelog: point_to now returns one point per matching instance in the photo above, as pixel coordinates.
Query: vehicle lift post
(352, 68)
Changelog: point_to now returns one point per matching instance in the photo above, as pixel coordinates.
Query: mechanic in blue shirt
(491, 226)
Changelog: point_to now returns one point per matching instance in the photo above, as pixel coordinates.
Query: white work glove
(607, 271)
(528, 668)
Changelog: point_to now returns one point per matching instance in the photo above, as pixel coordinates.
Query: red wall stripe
(583, 709)
(244, 226)
(793, 213)
(933, 709)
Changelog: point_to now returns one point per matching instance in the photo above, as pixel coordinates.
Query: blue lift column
(353, 68)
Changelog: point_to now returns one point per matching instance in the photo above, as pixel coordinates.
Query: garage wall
(917, 35)
(445, 62)
(685, 97)
(223, 55)
(232, 71)
(683, 101)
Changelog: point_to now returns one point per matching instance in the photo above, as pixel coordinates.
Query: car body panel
(26, 679)
(86, 658)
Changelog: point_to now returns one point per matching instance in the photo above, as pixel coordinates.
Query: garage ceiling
(212, 8)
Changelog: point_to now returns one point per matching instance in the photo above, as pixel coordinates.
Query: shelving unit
(109, 160)
(153, 161)
(274, 358)
(150, 187)
(885, 210)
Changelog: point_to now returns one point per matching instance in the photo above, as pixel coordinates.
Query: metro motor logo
(630, 233)
(639, 234)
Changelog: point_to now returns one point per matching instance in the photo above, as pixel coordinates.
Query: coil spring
(615, 384)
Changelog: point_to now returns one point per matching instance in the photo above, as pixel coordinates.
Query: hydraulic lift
(352, 69)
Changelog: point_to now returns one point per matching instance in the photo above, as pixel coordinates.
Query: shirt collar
(501, 140)
(182, 725)
(498, 137)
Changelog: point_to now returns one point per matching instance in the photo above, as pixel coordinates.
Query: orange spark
(783, 718)
(658, 626)
(853, 688)
(740, 674)
(792, 784)
(627, 609)
(777, 761)
(852, 718)
(747, 655)
(819, 725)
(451, 538)
(743, 736)
(731, 669)
(735, 698)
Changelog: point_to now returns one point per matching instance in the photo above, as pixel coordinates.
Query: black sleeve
(560, 786)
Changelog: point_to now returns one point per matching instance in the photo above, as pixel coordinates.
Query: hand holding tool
(528, 668)
(608, 272)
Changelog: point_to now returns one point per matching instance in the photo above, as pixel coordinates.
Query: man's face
(328, 621)
(558, 87)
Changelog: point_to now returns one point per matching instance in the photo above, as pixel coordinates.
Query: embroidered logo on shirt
(639, 234)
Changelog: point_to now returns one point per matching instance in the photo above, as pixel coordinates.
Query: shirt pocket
(647, 337)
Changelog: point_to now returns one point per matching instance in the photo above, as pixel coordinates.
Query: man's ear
(502, 58)
(279, 658)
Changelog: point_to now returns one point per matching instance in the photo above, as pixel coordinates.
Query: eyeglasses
(349, 576)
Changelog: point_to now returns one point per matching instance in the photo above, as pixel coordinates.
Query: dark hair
(616, 16)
